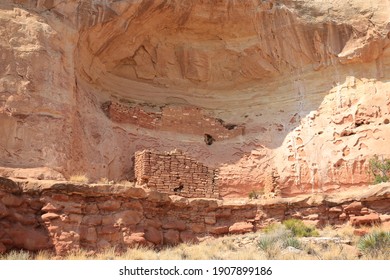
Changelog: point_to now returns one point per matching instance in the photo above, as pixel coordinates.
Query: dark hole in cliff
(208, 139)
(106, 106)
(386, 121)
(338, 163)
(359, 123)
(144, 180)
(179, 188)
(220, 121)
(320, 132)
(230, 126)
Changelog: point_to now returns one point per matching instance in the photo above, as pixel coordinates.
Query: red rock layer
(63, 217)
(307, 79)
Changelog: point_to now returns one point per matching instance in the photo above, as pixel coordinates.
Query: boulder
(12, 200)
(29, 238)
(368, 220)
(179, 225)
(134, 239)
(154, 235)
(171, 237)
(128, 217)
(241, 227)
(188, 237)
(355, 206)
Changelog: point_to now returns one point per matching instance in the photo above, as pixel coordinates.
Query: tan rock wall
(307, 79)
(175, 173)
(47, 215)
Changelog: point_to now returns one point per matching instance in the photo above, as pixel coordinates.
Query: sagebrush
(375, 244)
(380, 169)
(299, 229)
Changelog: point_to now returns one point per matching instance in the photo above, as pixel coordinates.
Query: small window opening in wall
(144, 181)
(208, 139)
(179, 188)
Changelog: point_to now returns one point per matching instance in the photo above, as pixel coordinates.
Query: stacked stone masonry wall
(132, 114)
(175, 173)
(179, 119)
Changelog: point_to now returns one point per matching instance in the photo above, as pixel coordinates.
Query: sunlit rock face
(294, 93)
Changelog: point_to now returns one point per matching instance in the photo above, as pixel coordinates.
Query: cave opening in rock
(230, 126)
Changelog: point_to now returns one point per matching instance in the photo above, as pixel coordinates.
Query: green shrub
(277, 238)
(375, 243)
(266, 242)
(274, 235)
(299, 229)
(254, 194)
(292, 242)
(380, 169)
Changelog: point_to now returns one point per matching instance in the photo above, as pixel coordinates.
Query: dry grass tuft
(127, 183)
(44, 255)
(276, 242)
(79, 178)
(16, 255)
(139, 253)
(103, 180)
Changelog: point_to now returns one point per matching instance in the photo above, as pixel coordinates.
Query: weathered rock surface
(89, 219)
(296, 93)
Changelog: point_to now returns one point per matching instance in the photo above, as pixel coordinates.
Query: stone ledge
(19, 186)
(65, 216)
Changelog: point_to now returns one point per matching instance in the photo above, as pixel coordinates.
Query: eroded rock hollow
(286, 96)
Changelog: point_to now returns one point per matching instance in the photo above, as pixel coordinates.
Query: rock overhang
(313, 45)
(216, 55)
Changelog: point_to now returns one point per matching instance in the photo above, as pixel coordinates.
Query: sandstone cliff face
(305, 82)
(38, 215)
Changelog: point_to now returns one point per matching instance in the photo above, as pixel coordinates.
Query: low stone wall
(175, 173)
(62, 217)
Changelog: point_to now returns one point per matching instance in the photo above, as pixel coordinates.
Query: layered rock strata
(38, 215)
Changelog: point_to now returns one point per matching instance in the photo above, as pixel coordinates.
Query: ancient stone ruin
(181, 119)
(175, 173)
